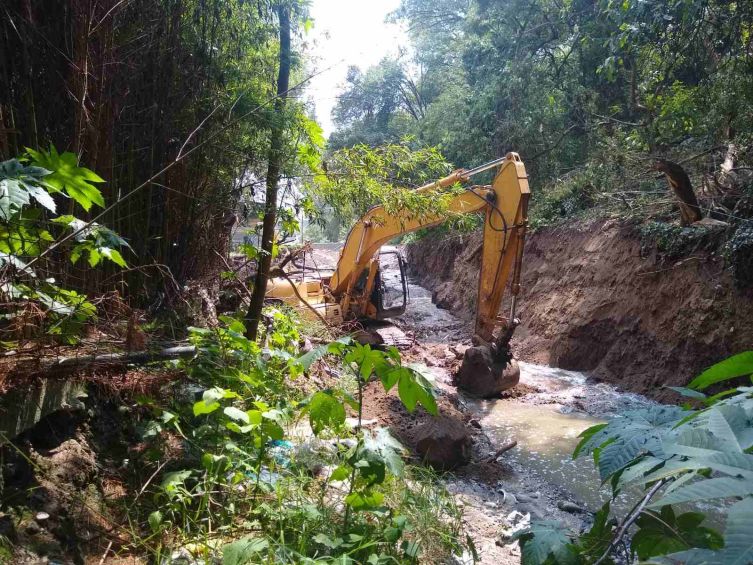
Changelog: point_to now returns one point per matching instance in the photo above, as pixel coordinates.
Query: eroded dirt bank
(594, 300)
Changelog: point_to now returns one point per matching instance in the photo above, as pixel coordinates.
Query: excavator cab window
(390, 294)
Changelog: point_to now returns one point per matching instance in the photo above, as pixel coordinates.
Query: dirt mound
(594, 300)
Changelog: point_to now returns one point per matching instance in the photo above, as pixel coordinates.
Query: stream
(546, 423)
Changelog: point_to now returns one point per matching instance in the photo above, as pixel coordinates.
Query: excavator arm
(504, 204)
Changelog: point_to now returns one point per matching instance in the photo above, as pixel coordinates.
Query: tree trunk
(273, 177)
(680, 184)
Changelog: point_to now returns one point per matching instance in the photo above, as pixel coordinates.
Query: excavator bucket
(488, 368)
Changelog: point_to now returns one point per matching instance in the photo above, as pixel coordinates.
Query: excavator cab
(390, 294)
(386, 277)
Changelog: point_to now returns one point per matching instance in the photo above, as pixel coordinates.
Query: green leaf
(203, 407)
(595, 542)
(364, 500)
(586, 436)
(386, 448)
(736, 366)
(317, 353)
(708, 489)
(171, 480)
(13, 197)
(113, 255)
(325, 411)
(339, 474)
(410, 549)
(243, 551)
(413, 389)
(68, 177)
(663, 533)
(690, 393)
(545, 539)
(327, 541)
(236, 414)
(155, 521)
(738, 538)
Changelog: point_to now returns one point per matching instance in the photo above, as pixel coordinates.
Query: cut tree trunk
(273, 178)
(680, 184)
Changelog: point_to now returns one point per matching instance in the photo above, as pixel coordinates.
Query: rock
(42, 516)
(475, 423)
(481, 375)
(443, 443)
(567, 506)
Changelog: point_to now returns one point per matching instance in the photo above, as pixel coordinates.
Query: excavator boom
(505, 205)
(353, 291)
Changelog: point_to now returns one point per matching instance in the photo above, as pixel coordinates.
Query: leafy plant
(245, 466)
(677, 456)
(67, 177)
(28, 189)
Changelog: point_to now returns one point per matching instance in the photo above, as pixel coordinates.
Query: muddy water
(545, 423)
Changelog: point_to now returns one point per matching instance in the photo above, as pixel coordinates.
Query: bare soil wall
(594, 301)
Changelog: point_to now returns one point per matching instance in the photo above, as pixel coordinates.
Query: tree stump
(679, 182)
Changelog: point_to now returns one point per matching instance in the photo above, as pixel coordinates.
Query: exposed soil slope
(595, 301)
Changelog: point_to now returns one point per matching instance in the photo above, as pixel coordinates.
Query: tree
(274, 166)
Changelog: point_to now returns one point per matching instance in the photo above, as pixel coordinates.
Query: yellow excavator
(356, 289)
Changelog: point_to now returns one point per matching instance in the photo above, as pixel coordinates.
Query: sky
(347, 32)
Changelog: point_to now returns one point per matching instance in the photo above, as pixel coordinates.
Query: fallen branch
(135, 358)
(501, 450)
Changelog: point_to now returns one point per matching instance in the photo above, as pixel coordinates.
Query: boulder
(443, 443)
(482, 375)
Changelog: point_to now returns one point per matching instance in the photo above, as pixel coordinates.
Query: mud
(594, 300)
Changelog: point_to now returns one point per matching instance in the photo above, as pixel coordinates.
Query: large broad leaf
(593, 543)
(738, 535)
(243, 551)
(709, 489)
(544, 540)
(736, 366)
(413, 388)
(387, 448)
(19, 183)
(587, 436)
(664, 533)
(738, 542)
(644, 426)
(619, 454)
